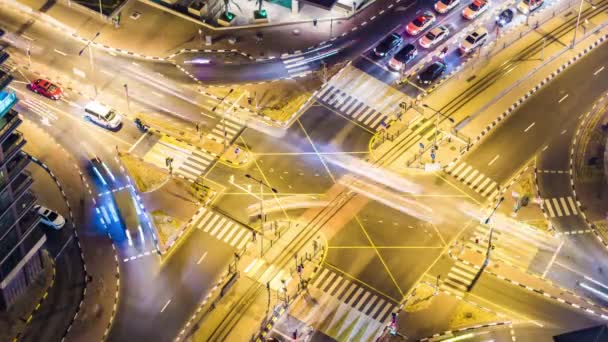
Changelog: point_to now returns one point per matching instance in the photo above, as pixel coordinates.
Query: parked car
(474, 40)
(421, 22)
(49, 217)
(529, 6)
(474, 9)
(388, 45)
(434, 36)
(401, 58)
(444, 6)
(46, 88)
(102, 115)
(431, 73)
(505, 17)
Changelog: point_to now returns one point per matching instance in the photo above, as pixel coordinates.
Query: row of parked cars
(439, 33)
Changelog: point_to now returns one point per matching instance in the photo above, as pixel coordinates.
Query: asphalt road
(553, 109)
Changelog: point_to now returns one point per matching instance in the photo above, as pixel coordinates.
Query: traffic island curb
(466, 329)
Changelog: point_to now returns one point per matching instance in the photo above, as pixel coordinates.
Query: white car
(434, 36)
(444, 6)
(529, 6)
(475, 8)
(102, 115)
(473, 40)
(49, 217)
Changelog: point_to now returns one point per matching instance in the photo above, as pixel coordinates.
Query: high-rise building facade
(20, 237)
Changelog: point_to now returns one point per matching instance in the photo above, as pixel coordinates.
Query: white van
(102, 115)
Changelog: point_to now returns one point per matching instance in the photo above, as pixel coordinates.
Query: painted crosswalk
(560, 206)
(222, 228)
(188, 162)
(474, 179)
(40, 108)
(459, 278)
(515, 244)
(361, 97)
(352, 107)
(226, 129)
(372, 305)
(297, 65)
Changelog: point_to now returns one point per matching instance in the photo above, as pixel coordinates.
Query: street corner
(236, 156)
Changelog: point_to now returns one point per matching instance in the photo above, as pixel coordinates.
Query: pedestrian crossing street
(474, 179)
(348, 292)
(232, 126)
(560, 206)
(187, 162)
(362, 98)
(222, 228)
(459, 278)
(515, 244)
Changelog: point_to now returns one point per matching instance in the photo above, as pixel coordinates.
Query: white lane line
(598, 71)
(545, 148)
(164, 307)
(493, 160)
(563, 98)
(201, 259)
(157, 94)
(564, 131)
(64, 246)
(208, 115)
(107, 73)
(27, 37)
(528, 128)
(60, 52)
(553, 259)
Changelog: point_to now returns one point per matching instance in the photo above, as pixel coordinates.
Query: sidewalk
(283, 285)
(179, 33)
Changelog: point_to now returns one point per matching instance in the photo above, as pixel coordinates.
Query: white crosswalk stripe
(560, 206)
(230, 125)
(222, 228)
(474, 179)
(296, 65)
(369, 303)
(189, 163)
(459, 278)
(361, 97)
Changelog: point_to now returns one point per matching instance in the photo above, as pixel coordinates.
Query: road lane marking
(107, 73)
(493, 160)
(546, 147)
(201, 259)
(598, 71)
(60, 52)
(27, 37)
(157, 94)
(138, 141)
(553, 259)
(64, 246)
(528, 128)
(564, 131)
(375, 63)
(563, 98)
(164, 307)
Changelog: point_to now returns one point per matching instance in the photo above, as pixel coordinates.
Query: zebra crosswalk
(297, 65)
(189, 163)
(352, 107)
(348, 292)
(459, 278)
(227, 127)
(474, 179)
(560, 206)
(222, 228)
(361, 97)
(41, 109)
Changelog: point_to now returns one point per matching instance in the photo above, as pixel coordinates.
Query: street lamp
(578, 20)
(438, 114)
(223, 113)
(88, 45)
(262, 186)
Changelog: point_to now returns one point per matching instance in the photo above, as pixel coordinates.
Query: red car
(46, 88)
(421, 22)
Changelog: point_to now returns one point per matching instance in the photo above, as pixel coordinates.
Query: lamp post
(578, 20)
(127, 95)
(437, 115)
(88, 45)
(262, 186)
